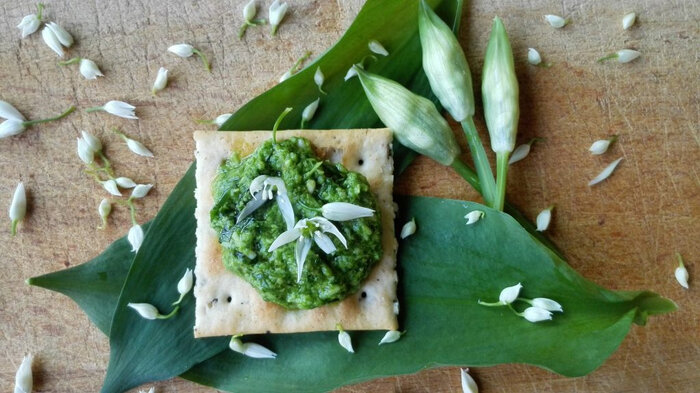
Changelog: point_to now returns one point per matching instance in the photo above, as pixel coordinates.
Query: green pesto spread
(310, 183)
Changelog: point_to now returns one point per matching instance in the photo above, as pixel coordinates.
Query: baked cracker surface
(227, 305)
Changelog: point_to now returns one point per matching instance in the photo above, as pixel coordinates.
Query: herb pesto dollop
(310, 183)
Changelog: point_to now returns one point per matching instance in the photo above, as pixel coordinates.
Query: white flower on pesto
(376, 47)
(601, 146)
(24, 381)
(309, 112)
(125, 182)
(31, 22)
(110, 185)
(343, 211)
(628, 20)
(319, 78)
(536, 314)
(136, 147)
(474, 216)
(409, 228)
(104, 209)
(533, 56)
(140, 191)
(116, 108)
(221, 119)
(468, 383)
(681, 272)
(52, 41)
(263, 188)
(544, 218)
(510, 294)
(605, 173)
(184, 285)
(344, 339)
(61, 34)
(161, 81)
(277, 12)
(9, 112)
(304, 232)
(252, 350)
(11, 127)
(85, 151)
(18, 207)
(187, 50)
(135, 237)
(89, 70)
(390, 337)
(622, 56)
(92, 141)
(556, 21)
(145, 310)
(546, 304)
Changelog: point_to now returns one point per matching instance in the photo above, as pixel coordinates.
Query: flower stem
(481, 162)
(61, 116)
(94, 109)
(502, 169)
(13, 227)
(467, 174)
(241, 31)
(487, 304)
(608, 57)
(132, 211)
(202, 121)
(69, 62)
(172, 313)
(107, 164)
(203, 58)
(39, 10)
(282, 115)
(182, 296)
(297, 64)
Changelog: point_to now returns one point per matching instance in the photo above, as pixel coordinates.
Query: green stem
(132, 211)
(182, 296)
(59, 117)
(297, 65)
(274, 30)
(94, 109)
(13, 227)
(502, 176)
(203, 58)
(282, 115)
(107, 164)
(202, 121)
(241, 31)
(607, 57)
(39, 11)
(467, 174)
(69, 62)
(481, 162)
(487, 304)
(175, 310)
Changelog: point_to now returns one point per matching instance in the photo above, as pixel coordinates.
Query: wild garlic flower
(533, 56)
(351, 72)
(249, 11)
(390, 337)
(544, 218)
(145, 310)
(116, 108)
(161, 81)
(263, 189)
(85, 151)
(221, 119)
(277, 12)
(468, 383)
(605, 173)
(376, 47)
(18, 207)
(536, 314)
(522, 151)
(51, 40)
(622, 56)
(414, 119)
(556, 21)
(125, 182)
(89, 70)
(343, 211)
(31, 22)
(319, 78)
(601, 146)
(61, 34)
(681, 272)
(445, 65)
(24, 380)
(286, 76)
(135, 237)
(16, 123)
(184, 285)
(186, 50)
(252, 350)
(135, 146)
(92, 141)
(140, 191)
(473, 216)
(11, 127)
(309, 112)
(344, 339)
(109, 185)
(104, 209)
(151, 390)
(509, 294)
(628, 20)
(546, 304)
(409, 228)
(303, 232)
(9, 112)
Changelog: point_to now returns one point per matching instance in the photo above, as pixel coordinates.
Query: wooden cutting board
(622, 234)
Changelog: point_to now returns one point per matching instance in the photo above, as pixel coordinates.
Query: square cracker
(228, 305)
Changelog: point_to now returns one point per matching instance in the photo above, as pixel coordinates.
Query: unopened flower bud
(29, 25)
(111, 187)
(408, 229)
(628, 20)
(89, 70)
(92, 141)
(277, 13)
(61, 34)
(544, 218)
(52, 41)
(145, 310)
(85, 152)
(309, 111)
(140, 191)
(468, 383)
(536, 314)
(24, 381)
(185, 283)
(104, 209)
(11, 127)
(390, 337)
(681, 272)
(221, 119)
(622, 56)
(18, 207)
(556, 21)
(9, 112)
(344, 339)
(161, 81)
(509, 294)
(135, 237)
(252, 350)
(533, 56)
(125, 182)
(376, 47)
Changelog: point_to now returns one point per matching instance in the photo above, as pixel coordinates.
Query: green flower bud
(414, 119)
(499, 90)
(445, 65)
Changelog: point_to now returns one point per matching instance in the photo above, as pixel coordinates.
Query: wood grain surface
(622, 233)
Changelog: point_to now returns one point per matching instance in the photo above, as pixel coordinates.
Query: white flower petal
(61, 34)
(556, 21)
(24, 381)
(285, 76)
(285, 237)
(11, 127)
(509, 294)
(351, 73)
(52, 41)
(396, 307)
(250, 207)
(277, 12)
(250, 10)
(121, 109)
(145, 310)
(473, 216)
(324, 242)
(135, 237)
(547, 304)
(468, 383)
(161, 80)
(536, 314)
(140, 191)
(328, 227)
(89, 70)
(544, 218)
(310, 110)
(111, 187)
(138, 148)
(519, 153)
(377, 48)
(319, 78)
(343, 211)
(390, 337)
(605, 173)
(300, 253)
(345, 341)
(221, 119)
(29, 25)
(182, 50)
(408, 228)
(125, 182)
(600, 146)
(257, 184)
(94, 142)
(186, 282)
(533, 56)
(251, 350)
(628, 20)
(18, 207)
(9, 112)
(681, 272)
(286, 209)
(627, 55)
(104, 208)
(85, 152)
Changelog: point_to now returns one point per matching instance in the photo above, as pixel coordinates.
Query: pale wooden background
(622, 234)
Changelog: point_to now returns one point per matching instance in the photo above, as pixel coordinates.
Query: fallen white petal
(182, 50)
(135, 237)
(24, 381)
(390, 337)
(377, 48)
(509, 294)
(605, 173)
(533, 56)
(474, 216)
(343, 211)
(161, 80)
(345, 341)
(408, 228)
(9, 112)
(544, 218)
(599, 147)
(628, 20)
(468, 383)
(556, 21)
